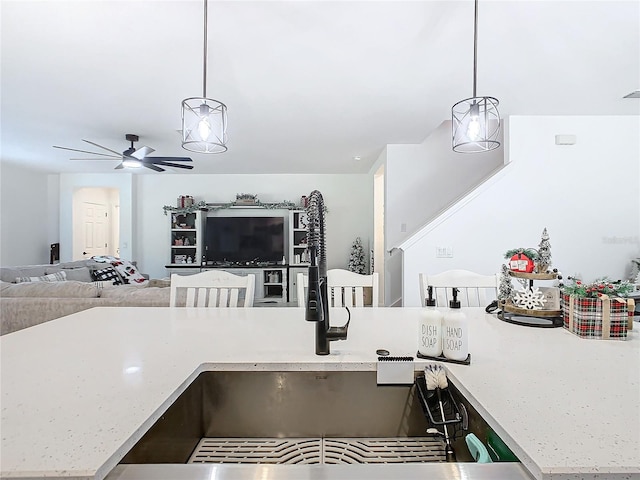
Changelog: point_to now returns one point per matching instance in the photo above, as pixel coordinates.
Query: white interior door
(94, 230)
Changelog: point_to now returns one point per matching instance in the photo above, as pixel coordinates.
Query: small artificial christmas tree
(505, 289)
(356, 258)
(544, 253)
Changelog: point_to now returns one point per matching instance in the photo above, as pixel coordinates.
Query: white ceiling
(308, 84)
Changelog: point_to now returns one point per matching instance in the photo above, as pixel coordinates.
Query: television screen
(244, 239)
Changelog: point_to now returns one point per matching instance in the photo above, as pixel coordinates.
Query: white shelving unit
(186, 239)
(298, 251)
(274, 284)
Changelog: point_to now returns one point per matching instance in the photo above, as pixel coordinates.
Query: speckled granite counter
(78, 392)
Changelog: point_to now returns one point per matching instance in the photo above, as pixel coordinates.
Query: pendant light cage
(204, 125)
(475, 121)
(476, 125)
(204, 120)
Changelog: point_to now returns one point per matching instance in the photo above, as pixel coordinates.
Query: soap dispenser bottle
(455, 332)
(430, 328)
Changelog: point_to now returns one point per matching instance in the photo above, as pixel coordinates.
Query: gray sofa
(26, 304)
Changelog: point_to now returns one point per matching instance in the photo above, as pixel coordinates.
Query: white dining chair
(213, 289)
(475, 290)
(348, 288)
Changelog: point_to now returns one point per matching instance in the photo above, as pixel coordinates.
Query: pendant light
(475, 120)
(204, 120)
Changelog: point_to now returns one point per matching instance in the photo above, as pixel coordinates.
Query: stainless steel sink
(247, 411)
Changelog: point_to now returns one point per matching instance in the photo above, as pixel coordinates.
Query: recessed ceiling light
(357, 158)
(634, 94)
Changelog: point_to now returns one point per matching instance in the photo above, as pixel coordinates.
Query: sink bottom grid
(319, 450)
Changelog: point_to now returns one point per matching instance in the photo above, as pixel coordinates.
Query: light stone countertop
(78, 392)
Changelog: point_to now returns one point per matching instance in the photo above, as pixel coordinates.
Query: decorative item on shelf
(599, 310)
(530, 298)
(356, 258)
(178, 242)
(179, 259)
(182, 210)
(505, 290)
(531, 306)
(186, 242)
(521, 259)
(302, 220)
(189, 259)
(543, 261)
(304, 202)
(246, 199)
(185, 201)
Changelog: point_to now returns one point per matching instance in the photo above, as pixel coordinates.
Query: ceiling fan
(134, 157)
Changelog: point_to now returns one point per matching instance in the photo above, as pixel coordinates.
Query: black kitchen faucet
(317, 309)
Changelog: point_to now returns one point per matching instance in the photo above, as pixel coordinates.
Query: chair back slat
(233, 297)
(223, 301)
(337, 293)
(302, 284)
(213, 297)
(358, 294)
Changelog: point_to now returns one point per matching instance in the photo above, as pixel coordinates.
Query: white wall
(587, 195)
(349, 199)
(421, 180)
(25, 208)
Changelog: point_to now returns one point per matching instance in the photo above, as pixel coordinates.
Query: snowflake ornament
(531, 299)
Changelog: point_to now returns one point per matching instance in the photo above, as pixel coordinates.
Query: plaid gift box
(603, 318)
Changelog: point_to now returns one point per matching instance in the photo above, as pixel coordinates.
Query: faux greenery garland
(285, 205)
(598, 287)
(529, 252)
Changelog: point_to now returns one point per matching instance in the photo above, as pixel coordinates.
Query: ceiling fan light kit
(476, 120)
(204, 120)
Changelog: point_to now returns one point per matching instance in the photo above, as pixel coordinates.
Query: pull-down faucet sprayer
(317, 298)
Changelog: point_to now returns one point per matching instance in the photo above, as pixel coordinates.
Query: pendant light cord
(204, 57)
(475, 48)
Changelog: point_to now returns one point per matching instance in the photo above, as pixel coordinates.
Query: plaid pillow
(127, 271)
(52, 277)
(106, 274)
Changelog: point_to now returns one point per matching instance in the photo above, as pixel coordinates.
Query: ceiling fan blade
(120, 166)
(175, 165)
(85, 151)
(104, 148)
(93, 159)
(153, 167)
(142, 152)
(168, 159)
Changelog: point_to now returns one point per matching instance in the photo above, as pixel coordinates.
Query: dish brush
(436, 379)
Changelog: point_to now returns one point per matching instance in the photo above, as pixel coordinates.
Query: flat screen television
(244, 239)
